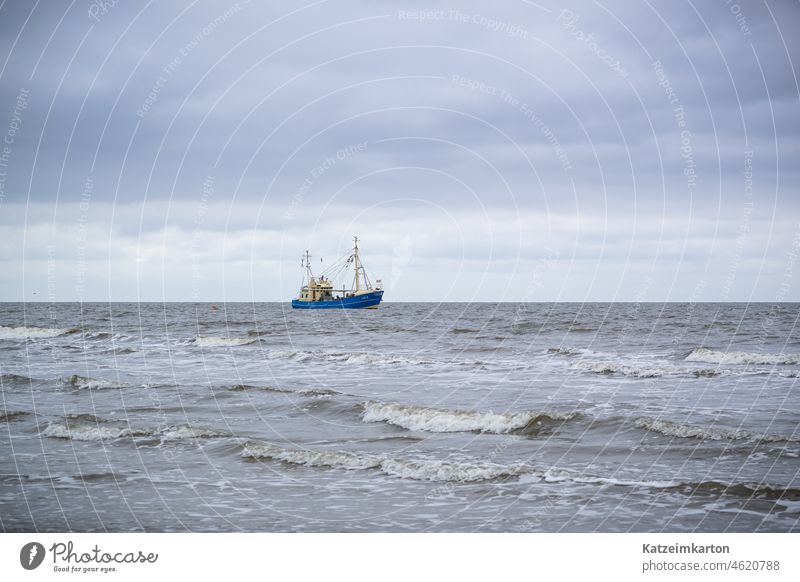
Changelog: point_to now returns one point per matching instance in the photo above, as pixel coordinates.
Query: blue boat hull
(371, 299)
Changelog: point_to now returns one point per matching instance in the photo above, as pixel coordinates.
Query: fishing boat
(318, 292)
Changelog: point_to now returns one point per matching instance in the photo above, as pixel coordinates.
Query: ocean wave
(16, 378)
(369, 359)
(615, 368)
(308, 392)
(86, 383)
(526, 326)
(673, 429)
(222, 342)
(720, 357)
(263, 332)
(91, 433)
(319, 392)
(98, 432)
(422, 470)
(565, 351)
(348, 358)
(248, 387)
(412, 417)
(434, 470)
(23, 333)
(83, 418)
(748, 490)
(120, 351)
(560, 475)
(82, 478)
(333, 459)
(467, 471)
(9, 415)
(181, 432)
(715, 488)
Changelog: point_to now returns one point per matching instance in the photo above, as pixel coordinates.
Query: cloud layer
(584, 152)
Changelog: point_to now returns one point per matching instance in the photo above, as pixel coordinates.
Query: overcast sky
(584, 151)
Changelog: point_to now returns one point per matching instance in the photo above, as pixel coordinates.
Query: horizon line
(774, 302)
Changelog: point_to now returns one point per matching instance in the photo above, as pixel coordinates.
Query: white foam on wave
(560, 475)
(86, 383)
(189, 432)
(363, 358)
(462, 471)
(22, 333)
(414, 417)
(423, 470)
(434, 470)
(720, 357)
(91, 433)
(333, 459)
(221, 342)
(571, 351)
(431, 469)
(609, 368)
(673, 429)
(88, 432)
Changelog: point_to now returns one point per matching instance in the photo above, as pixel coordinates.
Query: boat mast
(309, 274)
(355, 255)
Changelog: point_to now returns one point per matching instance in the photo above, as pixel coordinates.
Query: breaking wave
(673, 429)
(333, 459)
(347, 357)
(221, 342)
(472, 471)
(175, 433)
(422, 470)
(412, 417)
(23, 333)
(86, 383)
(559, 475)
(719, 357)
(565, 351)
(433, 470)
(88, 432)
(609, 368)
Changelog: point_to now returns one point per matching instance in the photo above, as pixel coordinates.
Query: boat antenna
(355, 255)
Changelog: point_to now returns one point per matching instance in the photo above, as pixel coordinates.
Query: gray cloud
(617, 134)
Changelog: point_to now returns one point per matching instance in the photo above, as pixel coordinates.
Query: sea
(414, 417)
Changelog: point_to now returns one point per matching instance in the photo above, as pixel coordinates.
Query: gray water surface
(412, 417)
